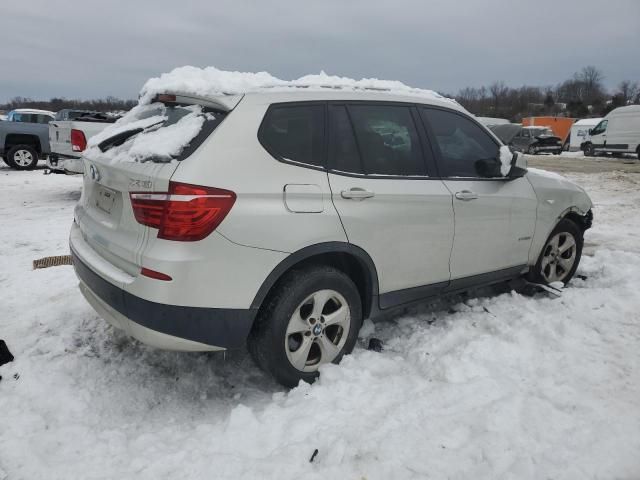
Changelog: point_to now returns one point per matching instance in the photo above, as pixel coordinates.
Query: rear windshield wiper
(119, 138)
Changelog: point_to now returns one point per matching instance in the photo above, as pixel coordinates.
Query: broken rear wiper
(119, 138)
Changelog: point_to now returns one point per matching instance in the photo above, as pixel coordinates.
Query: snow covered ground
(496, 387)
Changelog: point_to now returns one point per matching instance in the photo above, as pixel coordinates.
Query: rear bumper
(172, 327)
(65, 163)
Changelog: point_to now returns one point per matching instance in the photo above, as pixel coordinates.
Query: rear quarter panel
(233, 158)
(39, 130)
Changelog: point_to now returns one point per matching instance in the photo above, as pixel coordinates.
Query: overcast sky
(95, 48)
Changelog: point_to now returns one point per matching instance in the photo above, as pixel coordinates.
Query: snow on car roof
(33, 110)
(210, 81)
(587, 121)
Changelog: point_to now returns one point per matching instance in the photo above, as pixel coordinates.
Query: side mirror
(518, 166)
(590, 131)
(488, 167)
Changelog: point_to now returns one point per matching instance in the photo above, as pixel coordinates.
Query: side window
(343, 150)
(466, 150)
(388, 140)
(44, 118)
(295, 133)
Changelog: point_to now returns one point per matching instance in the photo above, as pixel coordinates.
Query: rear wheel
(561, 254)
(312, 318)
(22, 157)
(531, 150)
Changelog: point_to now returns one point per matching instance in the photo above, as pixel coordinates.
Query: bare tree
(628, 91)
(499, 93)
(591, 79)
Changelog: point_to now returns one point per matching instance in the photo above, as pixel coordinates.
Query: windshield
(155, 132)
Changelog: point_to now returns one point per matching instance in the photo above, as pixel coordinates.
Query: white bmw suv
(291, 215)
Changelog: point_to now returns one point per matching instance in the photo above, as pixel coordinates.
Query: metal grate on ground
(56, 261)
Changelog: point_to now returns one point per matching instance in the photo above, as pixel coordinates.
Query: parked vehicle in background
(560, 126)
(490, 121)
(531, 140)
(24, 137)
(387, 199)
(580, 133)
(68, 136)
(617, 133)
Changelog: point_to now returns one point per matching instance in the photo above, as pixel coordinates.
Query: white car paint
(417, 232)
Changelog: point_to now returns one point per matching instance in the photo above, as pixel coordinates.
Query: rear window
(157, 133)
(295, 133)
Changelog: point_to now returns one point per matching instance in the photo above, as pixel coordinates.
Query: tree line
(582, 95)
(108, 104)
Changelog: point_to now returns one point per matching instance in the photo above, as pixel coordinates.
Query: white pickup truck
(68, 135)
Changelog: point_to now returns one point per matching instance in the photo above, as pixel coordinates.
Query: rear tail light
(186, 213)
(78, 141)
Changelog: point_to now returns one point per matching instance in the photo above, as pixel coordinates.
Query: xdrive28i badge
(94, 173)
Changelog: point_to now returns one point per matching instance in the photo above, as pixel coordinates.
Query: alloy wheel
(317, 330)
(23, 158)
(558, 257)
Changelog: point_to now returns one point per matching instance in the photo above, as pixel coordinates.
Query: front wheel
(312, 318)
(589, 151)
(561, 254)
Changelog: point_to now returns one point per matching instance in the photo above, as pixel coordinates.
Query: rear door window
(295, 133)
(343, 149)
(387, 140)
(462, 143)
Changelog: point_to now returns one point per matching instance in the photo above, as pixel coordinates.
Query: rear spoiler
(222, 103)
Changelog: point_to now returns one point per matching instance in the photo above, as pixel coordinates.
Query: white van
(618, 132)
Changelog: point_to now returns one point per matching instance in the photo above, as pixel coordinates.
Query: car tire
(312, 317)
(531, 150)
(22, 157)
(560, 255)
(588, 150)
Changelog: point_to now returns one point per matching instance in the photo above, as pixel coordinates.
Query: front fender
(557, 198)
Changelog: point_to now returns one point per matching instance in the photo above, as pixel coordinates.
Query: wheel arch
(13, 139)
(350, 259)
(578, 216)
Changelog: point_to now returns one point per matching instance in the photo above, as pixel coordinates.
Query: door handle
(356, 194)
(466, 195)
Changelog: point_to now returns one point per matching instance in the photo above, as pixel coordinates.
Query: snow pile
(158, 141)
(506, 157)
(211, 81)
(489, 388)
